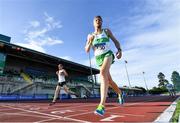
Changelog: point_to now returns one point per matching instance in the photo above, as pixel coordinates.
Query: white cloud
(49, 41)
(35, 24)
(51, 23)
(152, 43)
(33, 46)
(37, 36)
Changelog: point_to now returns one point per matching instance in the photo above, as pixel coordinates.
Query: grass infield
(176, 114)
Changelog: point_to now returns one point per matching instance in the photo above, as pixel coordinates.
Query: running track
(136, 109)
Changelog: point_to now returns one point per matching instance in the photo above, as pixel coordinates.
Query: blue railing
(4, 97)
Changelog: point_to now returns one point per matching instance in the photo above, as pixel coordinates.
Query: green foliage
(158, 90)
(175, 117)
(175, 78)
(162, 80)
(161, 76)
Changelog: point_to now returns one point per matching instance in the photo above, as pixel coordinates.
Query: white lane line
(15, 113)
(89, 112)
(72, 107)
(50, 115)
(5, 110)
(33, 112)
(54, 107)
(21, 114)
(49, 108)
(113, 107)
(168, 113)
(46, 120)
(68, 117)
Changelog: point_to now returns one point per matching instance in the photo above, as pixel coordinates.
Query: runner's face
(97, 22)
(60, 66)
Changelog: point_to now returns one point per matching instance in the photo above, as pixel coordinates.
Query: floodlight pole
(145, 81)
(91, 72)
(127, 74)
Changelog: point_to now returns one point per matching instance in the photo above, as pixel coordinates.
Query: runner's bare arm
(56, 72)
(116, 42)
(65, 73)
(89, 42)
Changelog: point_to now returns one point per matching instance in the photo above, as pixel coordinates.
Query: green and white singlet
(101, 46)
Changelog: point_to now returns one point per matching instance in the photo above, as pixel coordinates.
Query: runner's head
(98, 21)
(60, 66)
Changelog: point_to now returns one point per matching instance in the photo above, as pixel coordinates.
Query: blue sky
(148, 30)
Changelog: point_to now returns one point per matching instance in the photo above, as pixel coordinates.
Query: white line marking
(15, 113)
(50, 115)
(31, 115)
(54, 107)
(43, 108)
(5, 110)
(33, 112)
(61, 112)
(68, 117)
(168, 113)
(74, 107)
(46, 120)
(90, 112)
(113, 107)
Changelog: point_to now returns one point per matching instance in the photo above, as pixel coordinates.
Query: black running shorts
(61, 84)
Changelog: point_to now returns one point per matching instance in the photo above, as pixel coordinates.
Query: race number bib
(101, 48)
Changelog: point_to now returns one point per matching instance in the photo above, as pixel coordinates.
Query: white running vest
(61, 78)
(101, 43)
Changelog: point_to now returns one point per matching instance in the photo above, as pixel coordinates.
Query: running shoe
(100, 110)
(121, 99)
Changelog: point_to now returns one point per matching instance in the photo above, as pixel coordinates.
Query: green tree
(158, 90)
(175, 78)
(162, 80)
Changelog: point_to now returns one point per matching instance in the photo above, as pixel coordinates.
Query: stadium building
(28, 72)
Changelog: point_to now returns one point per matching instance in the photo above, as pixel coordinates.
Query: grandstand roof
(32, 55)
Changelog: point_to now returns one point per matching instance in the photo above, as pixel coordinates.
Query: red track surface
(136, 109)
